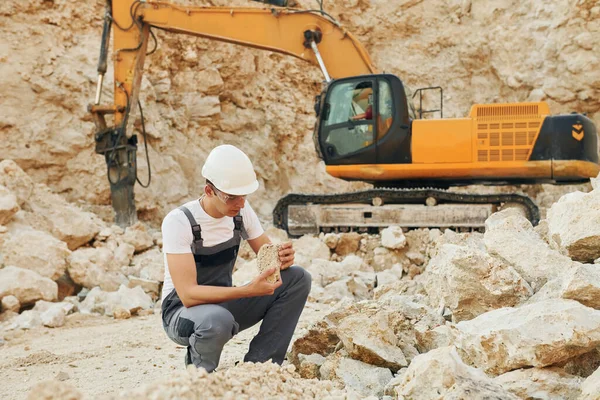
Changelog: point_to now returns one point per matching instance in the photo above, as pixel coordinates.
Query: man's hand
(260, 287)
(286, 255)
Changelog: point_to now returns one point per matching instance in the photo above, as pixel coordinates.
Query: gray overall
(205, 328)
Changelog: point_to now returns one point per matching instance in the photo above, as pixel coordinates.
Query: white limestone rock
(90, 267)
(393, 237)
(370, 339)
(149, 265)
(441, 374)
(326, 272)
(574, 225)
(37, 251)
(130, 299)
(510, 338)
(138, 236)
(309, 248)
(364, 378)
(511, 237)
(151, 287)
(26, 285)
(581, 284)
(28, 319)
(541, 383)
(10, 303)
(470, 282)
(67, 222)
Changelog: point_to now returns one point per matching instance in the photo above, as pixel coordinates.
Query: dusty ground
(102, 356)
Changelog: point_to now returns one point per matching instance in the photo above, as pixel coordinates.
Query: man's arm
(183, 273)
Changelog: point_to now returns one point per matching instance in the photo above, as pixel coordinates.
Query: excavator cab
(363, 120)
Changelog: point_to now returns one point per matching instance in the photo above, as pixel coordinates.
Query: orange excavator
(366, 129)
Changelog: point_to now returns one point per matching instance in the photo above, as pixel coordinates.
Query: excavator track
(368, 210)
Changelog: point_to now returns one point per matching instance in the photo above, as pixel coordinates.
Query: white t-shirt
(177, 232)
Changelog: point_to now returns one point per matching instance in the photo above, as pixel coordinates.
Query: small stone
(393, 238)
(62, 376)
(11, 303)
(121, 313)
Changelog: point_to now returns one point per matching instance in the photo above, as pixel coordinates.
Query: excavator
(366, 129)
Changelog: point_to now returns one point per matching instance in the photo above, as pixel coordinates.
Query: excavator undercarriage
(372, 210)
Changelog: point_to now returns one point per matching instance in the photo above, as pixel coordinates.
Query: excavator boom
(307, 35)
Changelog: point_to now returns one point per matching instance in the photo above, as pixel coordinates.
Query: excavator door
(356, 115)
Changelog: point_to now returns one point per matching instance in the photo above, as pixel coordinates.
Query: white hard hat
(230, 170)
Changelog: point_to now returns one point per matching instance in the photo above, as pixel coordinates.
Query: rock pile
(52, 250)
(512, 313)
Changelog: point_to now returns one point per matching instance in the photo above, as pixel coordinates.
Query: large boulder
(90, 267)
(536, 335)
(26, 285)
(574, 225)
(37, 251)
(581, 284)
(371, 339)
(53, 214)
(511, 237)
(541, 383)
(470, 282)
(441, 374)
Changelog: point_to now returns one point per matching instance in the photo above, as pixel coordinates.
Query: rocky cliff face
(199, 93)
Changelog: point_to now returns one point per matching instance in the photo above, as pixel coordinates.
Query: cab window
(385, 108)
(348, 121)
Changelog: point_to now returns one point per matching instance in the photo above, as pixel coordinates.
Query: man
(201, 309)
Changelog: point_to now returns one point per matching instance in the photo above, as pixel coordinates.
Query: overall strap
(196, 230)
(238, 227)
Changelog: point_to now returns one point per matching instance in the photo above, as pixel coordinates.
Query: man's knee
(214, 321)
(301, 277)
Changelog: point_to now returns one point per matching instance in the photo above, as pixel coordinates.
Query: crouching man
(200, 307)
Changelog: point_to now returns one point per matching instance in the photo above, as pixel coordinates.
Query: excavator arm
(309, 35)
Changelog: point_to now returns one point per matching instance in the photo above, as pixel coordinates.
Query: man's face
(227, 204)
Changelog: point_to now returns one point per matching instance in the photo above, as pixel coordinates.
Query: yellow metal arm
(278, 30)
(303, 34)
